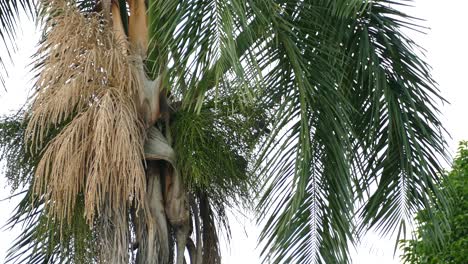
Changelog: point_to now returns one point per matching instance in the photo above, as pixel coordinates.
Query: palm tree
(150, 119)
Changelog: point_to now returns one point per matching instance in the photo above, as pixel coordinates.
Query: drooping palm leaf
(10, 11)
(9, 17)
(341, 128)
(309, 185)
(19, 163)
(402, 135)
(45, 240)
(197, 40)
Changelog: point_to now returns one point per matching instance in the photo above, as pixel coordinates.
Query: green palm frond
(9, 18)
(398, 128)
(45, 240)
(197, 40)
(356, 110)
(215, 147)
(19, 163)
(308, 178)
(9, 15)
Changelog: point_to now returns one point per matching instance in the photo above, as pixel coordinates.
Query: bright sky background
(446, 45)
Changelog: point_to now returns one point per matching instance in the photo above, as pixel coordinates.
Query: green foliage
(214, 148)
(9, 19)
(19, 163)
(209, 44)
(355, 110)
(20, 160)
(422, 249)
(46, 239)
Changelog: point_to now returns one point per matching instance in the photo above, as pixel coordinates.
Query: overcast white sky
(446, 44)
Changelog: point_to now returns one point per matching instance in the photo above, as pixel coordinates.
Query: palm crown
(150, 118)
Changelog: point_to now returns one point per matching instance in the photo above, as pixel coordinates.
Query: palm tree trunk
(118, 26)
(152, 229)
(172, 202)
(177, 210)
(138, 34)
(198, 254)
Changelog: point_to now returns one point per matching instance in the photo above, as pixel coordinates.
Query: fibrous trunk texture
(176, 202)
(152, 230)
(138, 32)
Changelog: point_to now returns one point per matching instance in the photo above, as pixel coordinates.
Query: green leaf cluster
(356, 124)
(46, 240)
(421, 249)
(214, 148)
(9, 21)
(19, 163)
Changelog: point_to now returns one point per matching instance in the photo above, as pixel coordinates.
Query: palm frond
(19, 164)
(354, 108)
(10, 11)
(196, 39)
(398, 128)
(214, 149)
(308, 201)
(45, 240)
